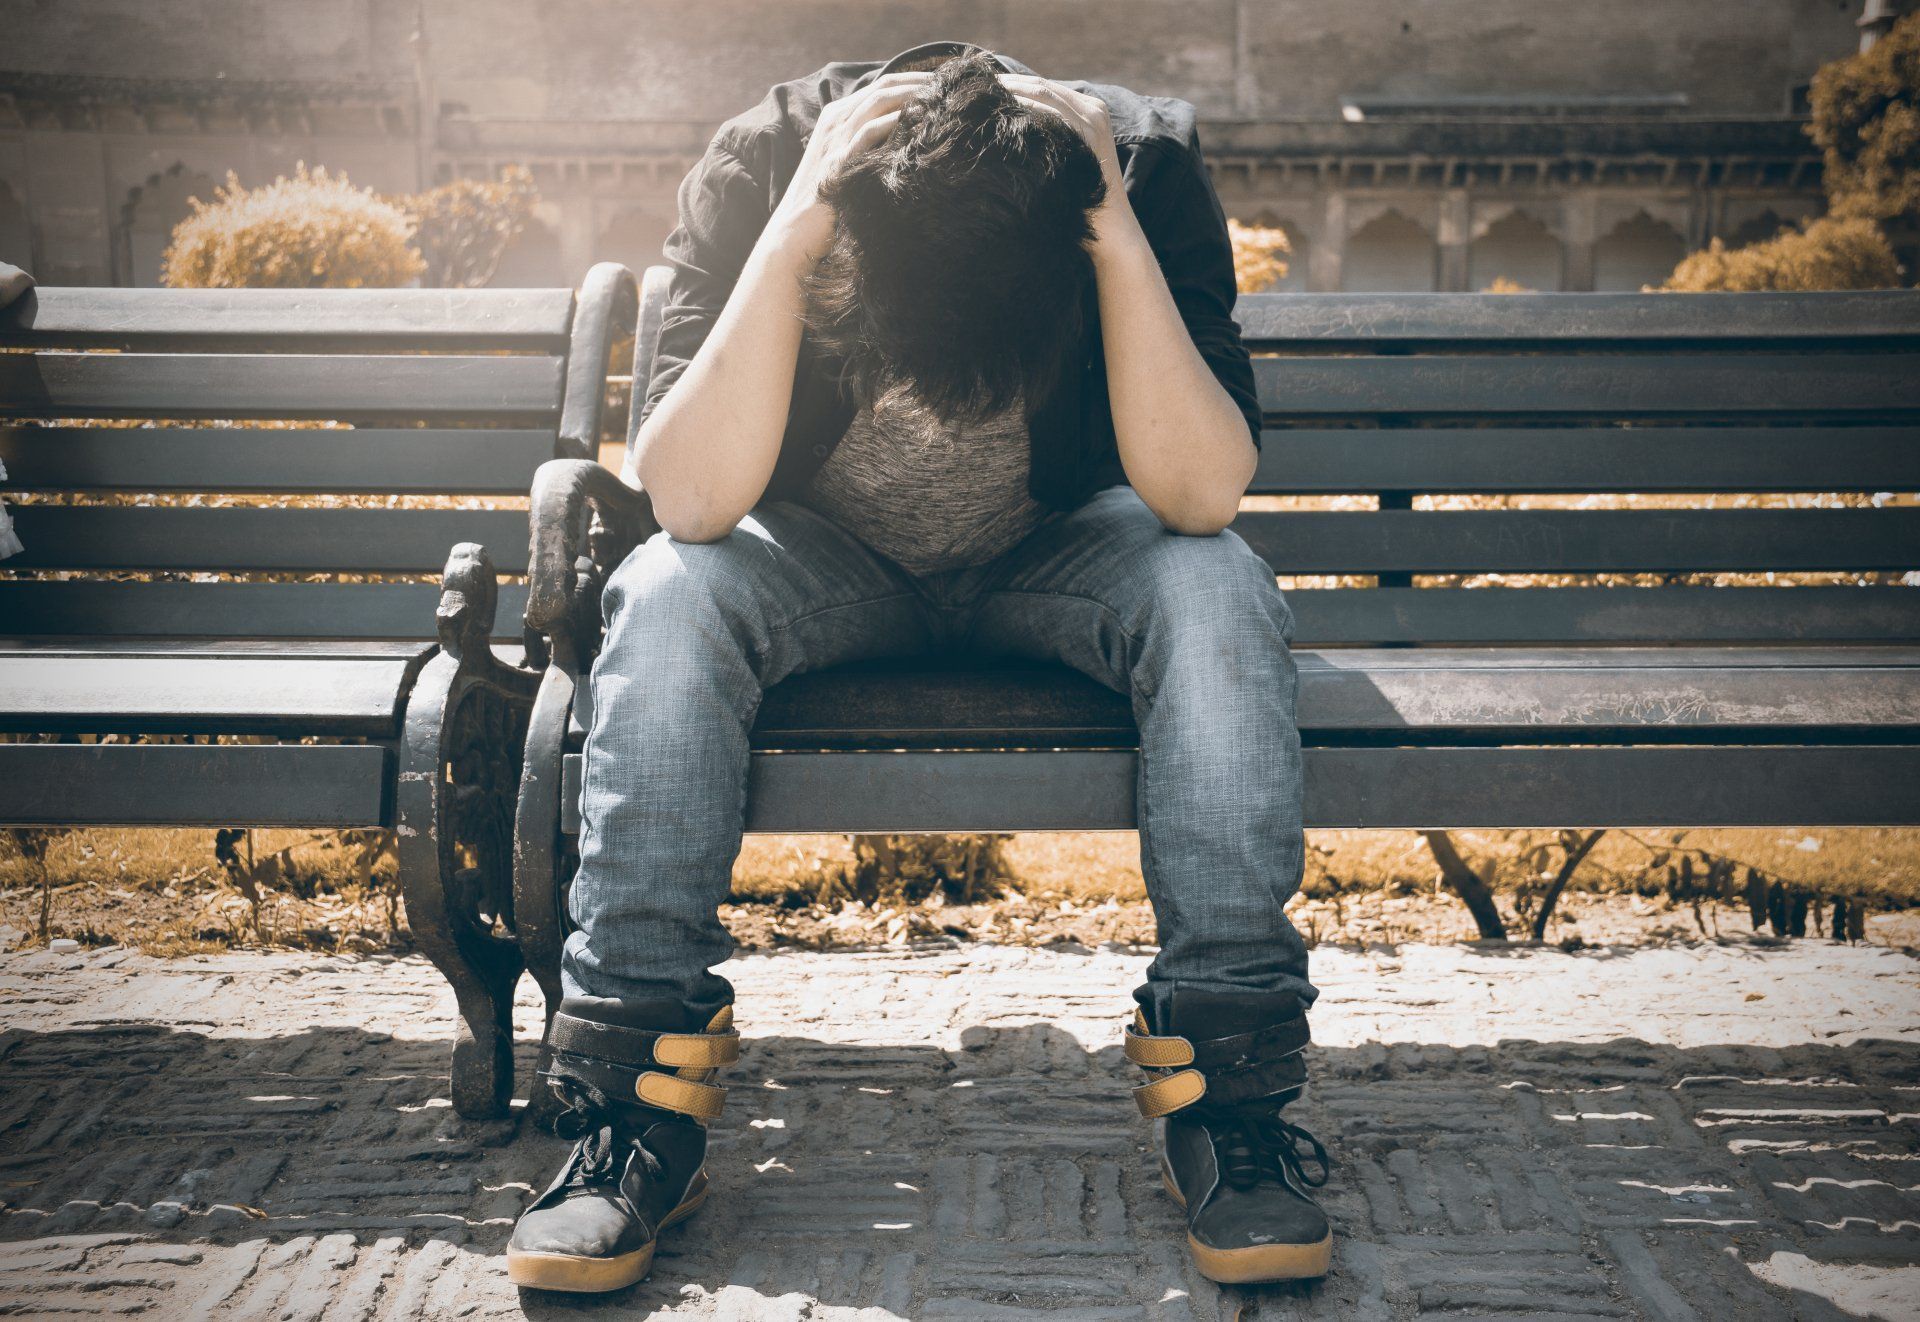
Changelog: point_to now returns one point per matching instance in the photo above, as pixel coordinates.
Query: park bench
(285, 666)
(1458, 667)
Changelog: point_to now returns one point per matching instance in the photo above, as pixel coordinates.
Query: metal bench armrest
(584, 520)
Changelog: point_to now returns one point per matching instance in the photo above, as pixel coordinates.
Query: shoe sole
(1257, 1264)
(571, 1273)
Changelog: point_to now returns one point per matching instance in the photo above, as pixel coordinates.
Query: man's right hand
(846, 128)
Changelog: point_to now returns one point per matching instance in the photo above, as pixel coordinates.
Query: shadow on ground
(173, 1171)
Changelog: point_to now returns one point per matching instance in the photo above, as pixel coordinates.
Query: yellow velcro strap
(1158, 1053)
(697, 1050)
(702, 1101)
(1165, 1096)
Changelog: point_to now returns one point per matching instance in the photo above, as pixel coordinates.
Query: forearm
(1183, 441)
(706, 452)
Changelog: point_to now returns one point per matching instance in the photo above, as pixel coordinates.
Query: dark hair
(958, 258)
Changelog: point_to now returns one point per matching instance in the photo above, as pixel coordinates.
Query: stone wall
(1422, 142)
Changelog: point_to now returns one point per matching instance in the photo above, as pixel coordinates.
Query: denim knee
(673, 585)
(1216, 587)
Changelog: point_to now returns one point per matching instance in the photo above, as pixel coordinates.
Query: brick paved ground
(1669, 1133)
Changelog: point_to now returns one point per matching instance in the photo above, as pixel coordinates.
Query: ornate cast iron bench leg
(466, 726)
(543, 860)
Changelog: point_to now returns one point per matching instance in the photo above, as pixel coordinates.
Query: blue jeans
(1194, 629)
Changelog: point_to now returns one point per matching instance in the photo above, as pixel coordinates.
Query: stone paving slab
(1675, 1133)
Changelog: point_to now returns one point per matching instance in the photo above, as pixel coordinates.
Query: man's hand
(846, 128)
(1087, 116)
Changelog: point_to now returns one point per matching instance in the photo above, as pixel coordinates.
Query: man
(948, 361)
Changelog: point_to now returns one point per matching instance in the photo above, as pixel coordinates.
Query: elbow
(1206, 508)
(690, 524)
(1201, 518)
(682, 510)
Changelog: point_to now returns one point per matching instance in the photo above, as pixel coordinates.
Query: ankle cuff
(669, 1071)
(1242, 1067)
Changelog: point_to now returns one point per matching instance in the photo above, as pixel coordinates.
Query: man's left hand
(1088, 117)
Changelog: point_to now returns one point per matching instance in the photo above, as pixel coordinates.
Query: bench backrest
(403, 420)
(1411, 401)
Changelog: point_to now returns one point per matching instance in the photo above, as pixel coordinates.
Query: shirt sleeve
(1187, 229)
(723, 208)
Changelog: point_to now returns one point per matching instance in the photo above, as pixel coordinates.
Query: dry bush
(461, 229)
(1259, 256)
(1866, 122)
(1829, 253)
(313, 231)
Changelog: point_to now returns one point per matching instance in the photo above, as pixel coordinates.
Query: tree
(1866, 122)
(1829, 253)
(1259, 256)
(462, 228)
(313, 231)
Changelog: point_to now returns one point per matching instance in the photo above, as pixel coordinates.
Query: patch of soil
(1368, 919)
(208, 915)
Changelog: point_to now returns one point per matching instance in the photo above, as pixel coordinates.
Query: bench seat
(1393, 738)
(1383, 695)
(324, 689)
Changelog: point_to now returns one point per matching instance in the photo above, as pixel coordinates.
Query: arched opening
(1637, 252)
(1518, 250)
(634, 237)
(1389, 254)
(531, 261)
(148, 218)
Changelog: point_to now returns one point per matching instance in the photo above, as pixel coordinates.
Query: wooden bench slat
(1369, 788)
(1340, 617)
(400, 461)
(248, 539)
(322, 786)
(1576, 541)
(1614, 695)
(1623, 385)
(343, 386)
(1311, 461)
(1372, 320)
(1508, 541)
(84, 609)
(302, 649)
(202, 693)
(244, 318)
(1324, 617)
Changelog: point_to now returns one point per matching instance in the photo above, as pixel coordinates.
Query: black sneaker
(1223, 1071)
(636, 1166)
(596, 1226)
(1240, 1174)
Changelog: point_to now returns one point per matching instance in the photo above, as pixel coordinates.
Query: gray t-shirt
(925, 493)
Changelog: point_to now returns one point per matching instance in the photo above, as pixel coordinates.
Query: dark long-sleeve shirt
(729, 195)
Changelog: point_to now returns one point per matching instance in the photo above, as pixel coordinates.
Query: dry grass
(165, 893)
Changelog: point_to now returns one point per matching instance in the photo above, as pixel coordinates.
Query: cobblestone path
(1677, 1133)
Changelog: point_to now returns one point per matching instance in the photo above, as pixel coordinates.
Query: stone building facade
(1402, 144)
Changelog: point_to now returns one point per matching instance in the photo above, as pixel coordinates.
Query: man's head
(958, 257)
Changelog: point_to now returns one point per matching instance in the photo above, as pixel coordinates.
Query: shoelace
(599, 1147)
(1256, 1144)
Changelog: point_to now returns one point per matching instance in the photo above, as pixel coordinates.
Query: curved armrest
(565, 491)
